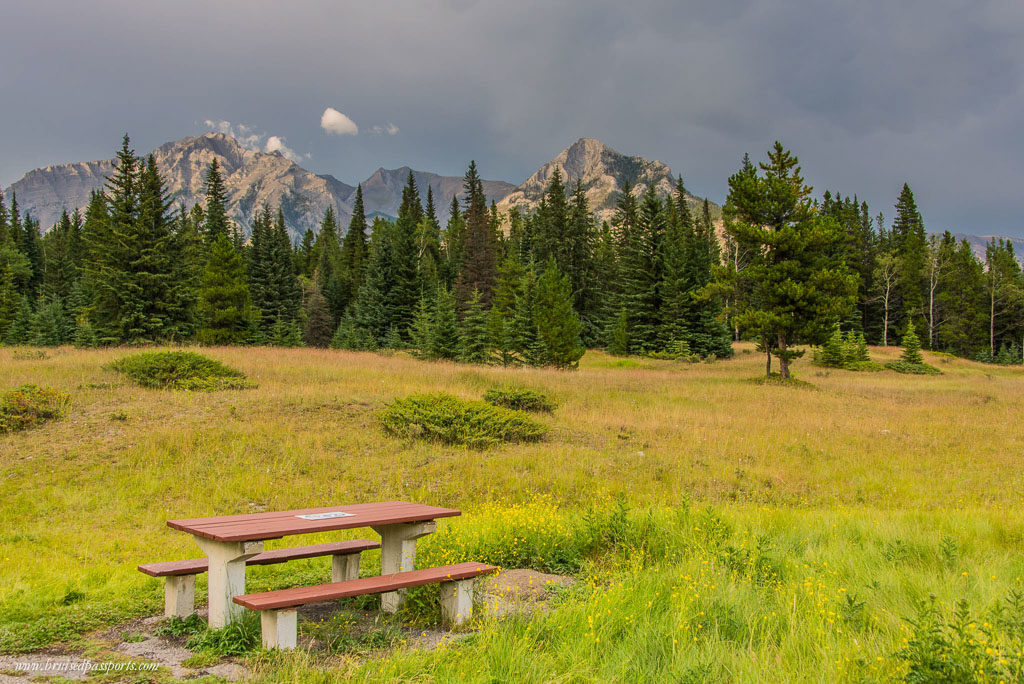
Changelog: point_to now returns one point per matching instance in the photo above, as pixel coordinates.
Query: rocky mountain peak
(602, 171)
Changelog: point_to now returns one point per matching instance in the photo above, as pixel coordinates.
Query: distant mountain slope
(978, 242)
(382, 191)
(603, 172)
(251, 178)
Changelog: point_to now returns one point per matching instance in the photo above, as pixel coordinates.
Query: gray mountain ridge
(253, 178)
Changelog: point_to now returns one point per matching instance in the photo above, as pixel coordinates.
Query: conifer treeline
(654, 280)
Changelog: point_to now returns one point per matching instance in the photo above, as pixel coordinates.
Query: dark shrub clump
(520, 399)
(28, 406)
(181, 371)
(450, 420)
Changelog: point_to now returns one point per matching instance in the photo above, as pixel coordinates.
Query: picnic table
(230, 540)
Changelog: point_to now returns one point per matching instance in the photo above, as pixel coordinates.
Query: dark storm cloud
(868, 94)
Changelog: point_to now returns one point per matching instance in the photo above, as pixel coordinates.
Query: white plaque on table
(325, 516)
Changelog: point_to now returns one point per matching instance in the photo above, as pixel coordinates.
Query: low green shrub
(864, 366)
(520, 399)
(180, 370)
(237, 638)
(451, 420)
(913, 368)
(29, 406)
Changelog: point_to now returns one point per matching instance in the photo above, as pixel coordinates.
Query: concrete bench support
(344, 567)
(279, 628)
(277, 608)
(398, 554)
(179, 595)
(457, 601)
(226, 577)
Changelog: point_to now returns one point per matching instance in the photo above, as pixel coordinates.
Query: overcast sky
(868, 94)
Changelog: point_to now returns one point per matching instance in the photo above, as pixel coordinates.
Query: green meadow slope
(719, 529)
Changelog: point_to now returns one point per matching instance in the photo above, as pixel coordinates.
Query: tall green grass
(686, 594)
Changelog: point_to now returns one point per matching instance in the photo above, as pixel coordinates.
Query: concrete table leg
(179, 595)
(457, 601)
(345, 567)
(398, 554)
(226, 577)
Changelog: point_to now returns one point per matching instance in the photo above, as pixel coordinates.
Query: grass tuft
(520, 399)
(450, 420)
(180, 370)
(237, 638)
(29, 406)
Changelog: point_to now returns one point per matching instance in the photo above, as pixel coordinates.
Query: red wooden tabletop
(257, 526)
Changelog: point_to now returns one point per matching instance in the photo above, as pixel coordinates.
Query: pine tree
(861, 354)
(371, 311)
(284, 281)
(9, 300)
(20, 330)
(216, 222)
(618, 342)
(605, 284)
(642, 274)
(404, 287)
(420, 330)
(962, 300)
(132, 265)
(910, 243)
(329, 271)
(319, 323)
(911, 346)
(558, 326)
(795, 288)
(831, 355)
(444, 331)
(479, 267)
(577, 263)
(85, 335)
(224, 305)
(61, 272)
(507, 291)
(50, 326)
(347, 334)
(678, 257)
(29, 246)
(303, 256)
(552, 222)
(454, 243)
(429, 262)
(354, 250)
(473, 347)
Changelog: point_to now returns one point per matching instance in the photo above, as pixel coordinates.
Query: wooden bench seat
(180, 580)
(278, 609)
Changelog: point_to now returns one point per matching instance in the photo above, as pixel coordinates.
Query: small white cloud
(251, 138)
(390, 129)
(276, 143)
(336, 123)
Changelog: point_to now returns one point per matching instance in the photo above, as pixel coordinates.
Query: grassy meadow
(719, 529)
